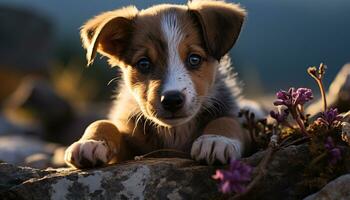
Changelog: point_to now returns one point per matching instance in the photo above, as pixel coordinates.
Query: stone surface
(12, 175)
(283, 174)
(16, 148)
(337, 189)
(156, 178)
(146, 179)
(38, 160)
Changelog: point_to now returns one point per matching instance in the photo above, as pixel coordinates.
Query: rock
(338, 95)
(159, 178)
(15, 149)
(12, 175)
(147, 179)
(38, 160)
(283, 175)
(336, 189)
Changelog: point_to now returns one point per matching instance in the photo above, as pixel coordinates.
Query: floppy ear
(220, 22)
(108, 33)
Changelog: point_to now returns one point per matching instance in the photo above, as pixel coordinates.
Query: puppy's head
(168, 53)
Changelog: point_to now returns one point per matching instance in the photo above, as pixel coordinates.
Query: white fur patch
(91, 150)
(177, 77)
(215, 147)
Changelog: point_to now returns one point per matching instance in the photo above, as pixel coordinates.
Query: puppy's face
(169, 70)
(168, 53)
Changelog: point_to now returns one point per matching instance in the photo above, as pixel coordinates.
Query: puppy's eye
(194, 60)
(144, 65)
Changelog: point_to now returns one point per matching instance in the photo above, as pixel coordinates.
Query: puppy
(177, 92)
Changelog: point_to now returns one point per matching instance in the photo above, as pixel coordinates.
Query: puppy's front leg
(99, 145)
(223, 139)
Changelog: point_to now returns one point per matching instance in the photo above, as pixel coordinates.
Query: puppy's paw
(213, 148)
(87, 153)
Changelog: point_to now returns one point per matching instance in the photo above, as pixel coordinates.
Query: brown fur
(218, 15)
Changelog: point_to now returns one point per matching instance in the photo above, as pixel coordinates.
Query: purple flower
(280, 116)
(329, 117)
(284, 98)
(235, 178)
(294, 100)
(293, 97)
(301, 96)
(333, 151)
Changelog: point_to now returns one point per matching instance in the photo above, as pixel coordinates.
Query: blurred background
(48, 96)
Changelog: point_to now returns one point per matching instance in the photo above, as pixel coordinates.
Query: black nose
(172, 100)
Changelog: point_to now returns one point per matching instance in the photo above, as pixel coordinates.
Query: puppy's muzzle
(172, 101)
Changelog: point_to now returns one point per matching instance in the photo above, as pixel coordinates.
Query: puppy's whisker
(151, 122)
(113, 79)
(209, 110)
(136, 124)
(215, 100)
(135, 113)
(209, 107)
(212, 100)
(148, 122)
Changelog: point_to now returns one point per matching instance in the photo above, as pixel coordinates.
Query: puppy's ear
(108, 33)
(220, 23)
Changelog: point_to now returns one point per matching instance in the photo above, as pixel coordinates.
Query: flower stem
(318, 76)
(301, 111)
(301, 125)
(323, 94)
(296, 116)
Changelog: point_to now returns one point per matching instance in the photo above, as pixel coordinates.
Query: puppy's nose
(172, 101)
